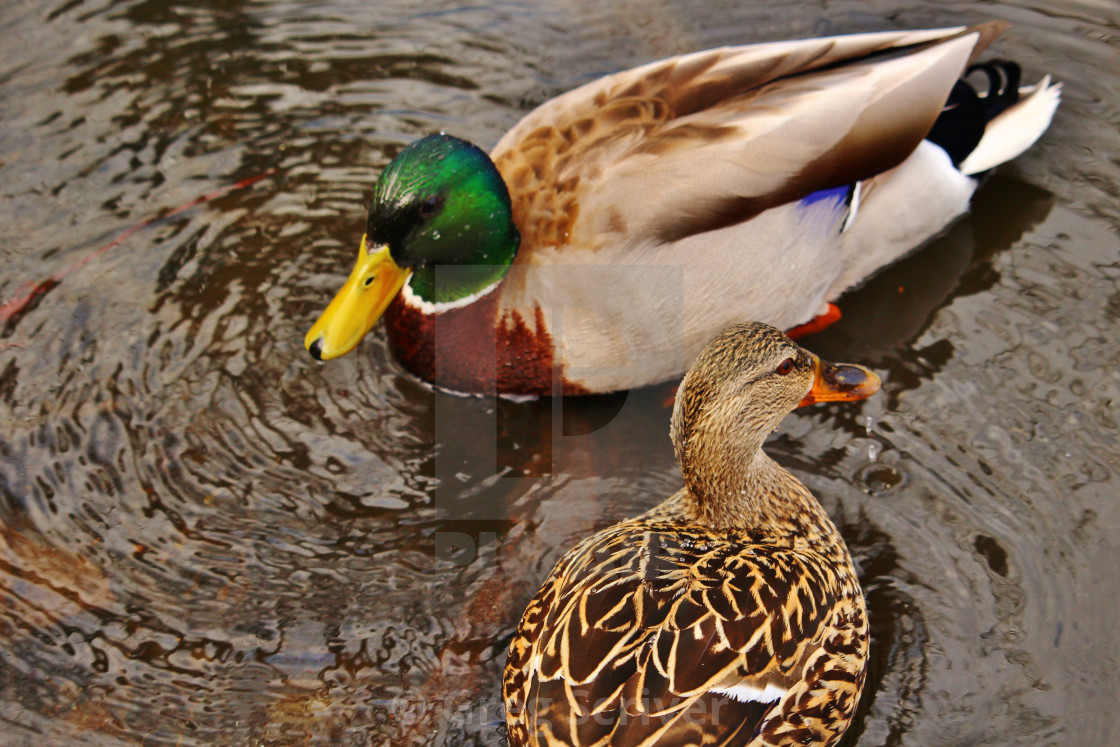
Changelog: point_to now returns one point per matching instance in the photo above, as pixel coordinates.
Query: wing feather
(706, 140)
(619, 672)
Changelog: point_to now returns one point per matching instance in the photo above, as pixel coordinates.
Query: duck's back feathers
(658, 631)
(700, 142)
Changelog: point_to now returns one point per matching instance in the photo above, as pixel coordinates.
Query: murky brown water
(206, 538)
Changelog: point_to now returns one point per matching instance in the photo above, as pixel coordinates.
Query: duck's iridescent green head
(441, 203)
(440, 221)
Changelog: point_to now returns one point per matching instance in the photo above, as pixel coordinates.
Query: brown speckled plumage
(739, 580)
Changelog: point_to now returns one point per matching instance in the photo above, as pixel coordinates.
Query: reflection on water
(206, 538)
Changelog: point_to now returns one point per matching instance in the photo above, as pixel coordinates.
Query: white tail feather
(1015, 130)
(746, 693)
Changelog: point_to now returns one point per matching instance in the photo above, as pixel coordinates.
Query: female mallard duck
(619, 226)
(729, 614)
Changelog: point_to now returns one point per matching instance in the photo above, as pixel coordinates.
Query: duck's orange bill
(373, 283)
(840, 383)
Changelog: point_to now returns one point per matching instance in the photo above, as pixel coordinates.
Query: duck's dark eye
(784, 367)
(430, 206)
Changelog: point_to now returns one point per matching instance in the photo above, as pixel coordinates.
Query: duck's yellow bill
(840, 383)
(373, 283)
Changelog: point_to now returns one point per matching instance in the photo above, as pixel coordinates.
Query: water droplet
(878, 479)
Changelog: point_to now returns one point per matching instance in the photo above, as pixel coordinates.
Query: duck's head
(739, 390)
(440, 223)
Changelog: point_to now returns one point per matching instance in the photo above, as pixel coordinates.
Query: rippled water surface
(207, 538)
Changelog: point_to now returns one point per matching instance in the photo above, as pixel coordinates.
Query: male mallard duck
(729, 614)
(619, 226)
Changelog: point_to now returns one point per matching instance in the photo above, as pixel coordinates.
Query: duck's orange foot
(816, 324)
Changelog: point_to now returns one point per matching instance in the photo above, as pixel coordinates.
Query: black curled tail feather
(961, 124)
(1004, 77)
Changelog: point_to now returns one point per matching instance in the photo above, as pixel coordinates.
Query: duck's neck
(752, 493)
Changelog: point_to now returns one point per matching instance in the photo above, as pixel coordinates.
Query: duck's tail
(1015, 129)
(981, 131)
